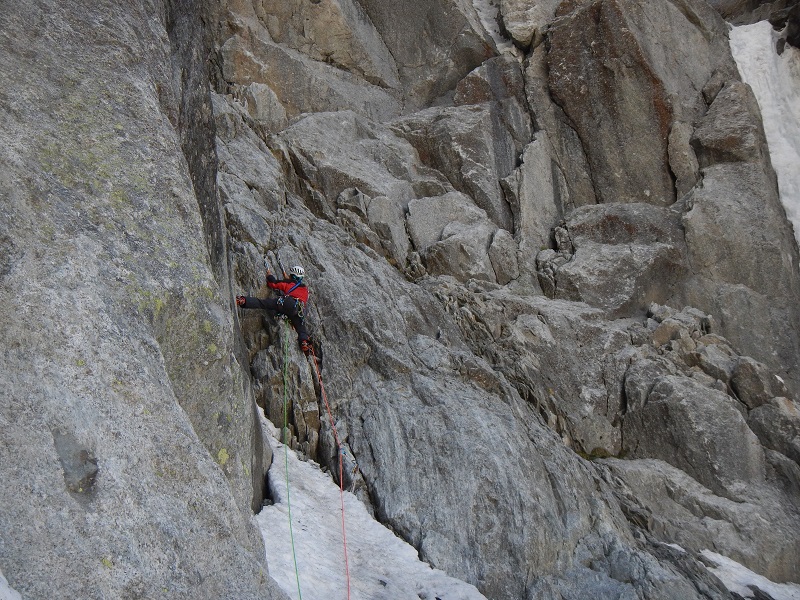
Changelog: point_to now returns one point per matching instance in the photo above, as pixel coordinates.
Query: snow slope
(775, 80)
(743, 581)
(381, 565)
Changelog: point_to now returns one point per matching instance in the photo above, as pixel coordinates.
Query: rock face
(619, 87)
(551, 275)
(131, 459)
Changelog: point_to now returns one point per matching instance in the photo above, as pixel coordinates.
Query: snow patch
(488, 12)
(743, 581)
(6, 591)
(381, 565)
(775, 80)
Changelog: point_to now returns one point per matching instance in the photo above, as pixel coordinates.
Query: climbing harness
(341, 450)
(298, 304)
(286, 451)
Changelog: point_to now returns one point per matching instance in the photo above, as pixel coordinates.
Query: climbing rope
(340, 450)
(286, 449)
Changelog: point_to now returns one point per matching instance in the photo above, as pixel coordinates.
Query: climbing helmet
(297, 272)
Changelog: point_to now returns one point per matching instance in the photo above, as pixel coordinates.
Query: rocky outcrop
(526, 20)
(742, 12)
(450, 42)
(623, 94)
(618, 257)
(132, 461)
(711, 149)
(553, 283)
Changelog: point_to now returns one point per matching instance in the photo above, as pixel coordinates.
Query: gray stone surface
(749, 528)
(471, 147)
(449, 42)
(777, 425)
(526, 20)
(500, 82)
(742, 12)
(338, 33)
(715, 445)
(535, 445)
(619, 257)
(624, 71)
(731, 130)
(753, 383)
(736, 235)
(131, 456)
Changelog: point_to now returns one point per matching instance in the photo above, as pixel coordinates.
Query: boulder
(452, 235)
(503, 254)
(387, 219)
(471, 146)
(641, 376)
(463, 252)
(619, 279)
(449, 42)
(731, 130)
(527, 20)
(427, 217)
(753, 383)
(265, 107)
(698, 430)
(620, 257)
(777, 425)
(715, 360)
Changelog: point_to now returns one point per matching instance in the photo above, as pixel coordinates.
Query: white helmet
(297, 271)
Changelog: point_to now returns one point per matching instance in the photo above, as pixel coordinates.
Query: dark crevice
(189, 42)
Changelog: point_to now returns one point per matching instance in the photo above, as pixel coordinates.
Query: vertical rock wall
(539, 275)
(454, 310)
(130, 446)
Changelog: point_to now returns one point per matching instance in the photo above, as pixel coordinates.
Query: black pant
(286, 305)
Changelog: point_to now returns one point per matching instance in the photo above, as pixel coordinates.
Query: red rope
(341, 469)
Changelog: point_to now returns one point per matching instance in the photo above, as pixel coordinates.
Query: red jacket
(300, 292)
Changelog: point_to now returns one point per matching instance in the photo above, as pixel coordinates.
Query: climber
(291, 302)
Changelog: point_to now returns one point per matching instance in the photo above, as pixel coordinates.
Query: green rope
(286, 451)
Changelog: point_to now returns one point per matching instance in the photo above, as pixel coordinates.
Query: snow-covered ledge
(744, 582)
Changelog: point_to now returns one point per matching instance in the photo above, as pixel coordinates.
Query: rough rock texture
(526, 20)
(625, 72)
(553, 282)
(449, 42)
(618, 257)
(742, 12)
(131, 459)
